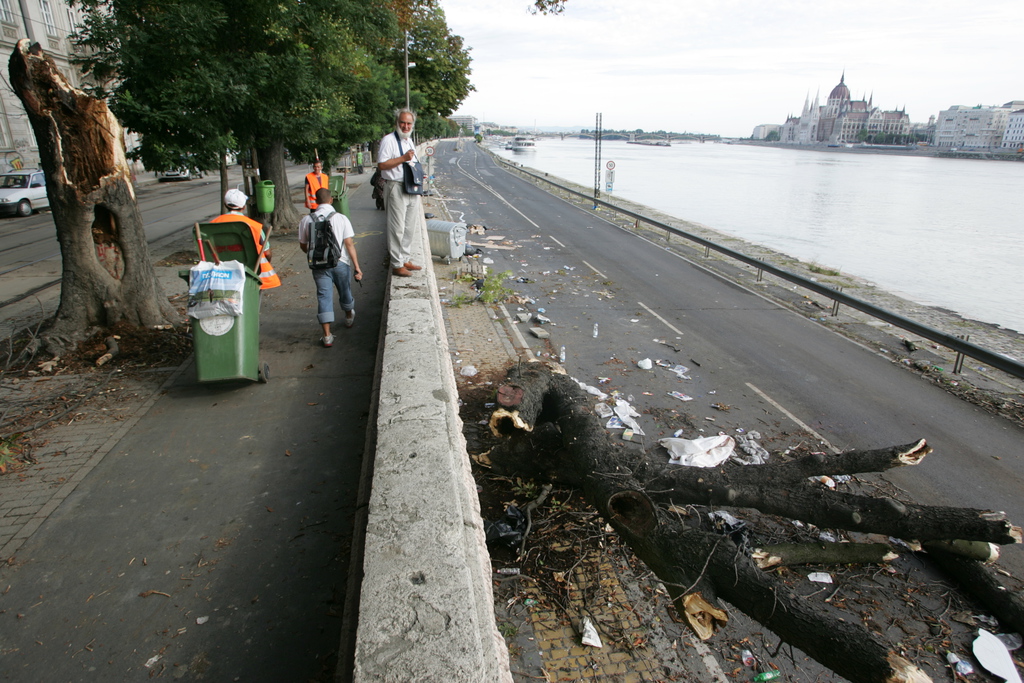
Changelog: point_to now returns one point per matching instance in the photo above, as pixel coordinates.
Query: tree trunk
(107, 273)
(223, 180)
(553, 434)
(272, 167)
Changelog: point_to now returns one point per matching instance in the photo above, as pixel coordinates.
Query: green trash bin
(339, 191)
(227, 347)
(265, 196)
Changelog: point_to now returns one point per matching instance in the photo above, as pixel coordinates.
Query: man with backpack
(329, 242)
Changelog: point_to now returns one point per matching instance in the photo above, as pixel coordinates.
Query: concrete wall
(426, 607)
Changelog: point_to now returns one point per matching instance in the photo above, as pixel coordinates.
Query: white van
(22, 192)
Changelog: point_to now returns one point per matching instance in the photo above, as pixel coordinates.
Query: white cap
(235, 199)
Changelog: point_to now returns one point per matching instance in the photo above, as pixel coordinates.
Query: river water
(939, 232)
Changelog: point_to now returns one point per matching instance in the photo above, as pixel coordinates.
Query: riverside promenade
(243, 532)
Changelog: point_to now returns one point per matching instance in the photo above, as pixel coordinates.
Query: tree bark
(272, 167)
(107, 273)
(552, 434)
(981, 581)
(223, 180)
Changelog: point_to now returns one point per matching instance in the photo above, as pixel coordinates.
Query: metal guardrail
(961, 346)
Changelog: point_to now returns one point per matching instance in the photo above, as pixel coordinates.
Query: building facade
(842, 120)
(977, 127)
(466, 123)
(762, 131)
(49, 23)
(1013, 137)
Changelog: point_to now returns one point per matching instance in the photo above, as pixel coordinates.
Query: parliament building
(841, 120)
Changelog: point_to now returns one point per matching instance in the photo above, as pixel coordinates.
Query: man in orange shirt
(235, 201)
(314, 181)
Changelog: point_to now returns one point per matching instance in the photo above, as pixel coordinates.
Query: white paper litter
(603, 410)
(645, 364)
(820, 577)
(993, 655)
(708, 451)
(202, 620)
(590, 636)
(626, 413)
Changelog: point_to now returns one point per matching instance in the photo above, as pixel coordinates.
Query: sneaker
(350, 319)
(328, 341)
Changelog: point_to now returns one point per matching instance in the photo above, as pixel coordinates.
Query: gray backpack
(324, 250)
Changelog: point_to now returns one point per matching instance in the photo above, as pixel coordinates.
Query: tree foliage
(442, 61)
(196, 77)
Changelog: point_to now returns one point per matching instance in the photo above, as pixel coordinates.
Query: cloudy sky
(724, 66)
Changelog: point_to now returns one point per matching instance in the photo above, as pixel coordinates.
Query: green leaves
(196, 77)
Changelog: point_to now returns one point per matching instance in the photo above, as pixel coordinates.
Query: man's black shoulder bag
(412, 173)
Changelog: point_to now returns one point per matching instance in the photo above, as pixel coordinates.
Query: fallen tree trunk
(553, 435)
(980, 580)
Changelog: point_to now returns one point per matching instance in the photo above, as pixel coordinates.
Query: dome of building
(840, 92)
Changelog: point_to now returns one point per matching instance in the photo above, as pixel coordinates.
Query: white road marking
(794, 418)
(708, 657)
(494, 192)
(593, 268)
(667, 323)
(515, 331)
(557, 242)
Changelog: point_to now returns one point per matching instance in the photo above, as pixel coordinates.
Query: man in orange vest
(235, 201)
(314, 181)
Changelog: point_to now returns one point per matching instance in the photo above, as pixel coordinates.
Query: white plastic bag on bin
(215, 289)
(707, 451)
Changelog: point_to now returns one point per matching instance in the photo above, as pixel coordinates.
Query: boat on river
(523, 144)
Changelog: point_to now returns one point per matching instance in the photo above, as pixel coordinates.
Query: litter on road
(708, 451)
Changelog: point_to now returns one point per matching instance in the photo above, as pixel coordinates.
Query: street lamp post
(406, 69)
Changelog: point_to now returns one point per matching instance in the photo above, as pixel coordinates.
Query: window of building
(51, 25)
(5, 11)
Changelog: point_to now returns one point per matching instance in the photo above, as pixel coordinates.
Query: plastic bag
(507, 531)
(708, 451)
(215, 289)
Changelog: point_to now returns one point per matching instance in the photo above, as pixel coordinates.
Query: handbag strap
(399, 138)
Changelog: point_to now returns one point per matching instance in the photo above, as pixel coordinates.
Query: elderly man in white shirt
(403, 210)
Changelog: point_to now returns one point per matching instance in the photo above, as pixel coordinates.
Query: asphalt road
(780, 372)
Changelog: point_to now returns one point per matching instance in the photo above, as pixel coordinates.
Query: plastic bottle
(769, 675)
(561, 356)
(960, 667)
(595, 330)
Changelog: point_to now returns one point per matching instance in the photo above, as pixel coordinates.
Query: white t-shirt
(340, 224)
(389, 150)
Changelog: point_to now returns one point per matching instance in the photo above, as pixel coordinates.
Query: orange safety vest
(267, 274)
(314, 182)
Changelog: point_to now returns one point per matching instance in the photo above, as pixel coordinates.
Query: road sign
(610, 165)
(430, 151)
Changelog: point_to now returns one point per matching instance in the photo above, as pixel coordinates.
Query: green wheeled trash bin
(339, 190)
(227, 347)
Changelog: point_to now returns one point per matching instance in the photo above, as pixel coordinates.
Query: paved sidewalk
(200, 531)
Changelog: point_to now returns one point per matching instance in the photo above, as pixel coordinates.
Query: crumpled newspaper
(749, 445)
